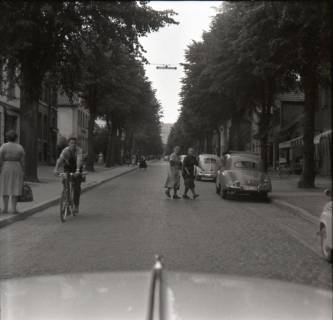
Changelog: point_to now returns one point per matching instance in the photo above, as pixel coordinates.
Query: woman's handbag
(26, 194)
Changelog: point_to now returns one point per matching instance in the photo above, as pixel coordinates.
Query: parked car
(242, 174)
(325, 229)
(208, 167)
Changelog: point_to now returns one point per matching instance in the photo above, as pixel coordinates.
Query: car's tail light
(236, 184)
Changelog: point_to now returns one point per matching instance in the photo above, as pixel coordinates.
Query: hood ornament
(155, 302)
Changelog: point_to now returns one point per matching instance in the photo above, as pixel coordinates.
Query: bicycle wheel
(71, 196)
(63, 206)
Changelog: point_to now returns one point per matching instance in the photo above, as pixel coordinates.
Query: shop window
(1, 140)
(40, 125)
(1, 77)
(10, 122)
(11, 82)
(45, 127)
(54, 98)
(325, 98)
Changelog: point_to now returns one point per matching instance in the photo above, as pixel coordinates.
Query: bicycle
(67, 196)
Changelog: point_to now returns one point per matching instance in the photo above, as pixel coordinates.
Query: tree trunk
(108, 158)
(29, 103)
(91, 103)
(263, 152)
(218, 147)
(235, 134)
(113, 145)
(132, 145)
(129, 143)
(91, 151)
(118, 147)
(121, 147)
(307, 179)
(265, 121)
(49, 134)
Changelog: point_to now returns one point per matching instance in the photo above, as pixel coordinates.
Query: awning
(299, 140)
(284, 145)
(324, 134)
(291, 143)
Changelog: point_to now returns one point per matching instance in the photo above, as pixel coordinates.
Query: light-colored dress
(11, 166)
(173, 179)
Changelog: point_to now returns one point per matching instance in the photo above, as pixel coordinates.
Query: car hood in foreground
(185, 296)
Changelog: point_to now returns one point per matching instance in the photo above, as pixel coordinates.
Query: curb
(54, 201)
(295, 210)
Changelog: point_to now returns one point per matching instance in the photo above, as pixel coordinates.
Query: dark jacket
(189, 164)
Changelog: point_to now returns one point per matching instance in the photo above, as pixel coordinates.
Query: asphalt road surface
(123, 223)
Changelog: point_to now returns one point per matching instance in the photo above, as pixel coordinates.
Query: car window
(245, 164)
(209, 160)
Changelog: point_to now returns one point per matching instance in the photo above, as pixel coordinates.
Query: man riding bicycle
(71, 159)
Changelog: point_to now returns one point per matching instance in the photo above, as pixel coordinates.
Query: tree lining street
(125, 222)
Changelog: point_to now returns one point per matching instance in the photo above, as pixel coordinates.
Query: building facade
(47, 126)
(285, 137)
(10, 114)
(9, 102)
(287, 130)
(73, 120)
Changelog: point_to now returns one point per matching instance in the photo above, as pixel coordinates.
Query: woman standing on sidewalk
(11, 171)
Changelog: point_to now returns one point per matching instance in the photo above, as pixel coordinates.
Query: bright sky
(167, 46)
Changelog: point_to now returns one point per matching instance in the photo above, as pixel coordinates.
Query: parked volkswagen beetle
(208, 167)
(325, 230)
(242, 174)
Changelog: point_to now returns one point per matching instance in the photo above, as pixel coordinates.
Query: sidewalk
(47, 192)
(308, 202)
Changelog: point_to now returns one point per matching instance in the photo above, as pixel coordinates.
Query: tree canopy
(65, 38)
(253, 51)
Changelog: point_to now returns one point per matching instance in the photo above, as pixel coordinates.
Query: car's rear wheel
(264, 196)
(326, 250)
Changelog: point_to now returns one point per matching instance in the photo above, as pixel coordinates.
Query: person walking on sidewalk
(188, 172)
(173, 179)
(71, 159)
(12, 171)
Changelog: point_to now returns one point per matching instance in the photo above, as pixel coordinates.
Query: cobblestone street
(123, 223)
